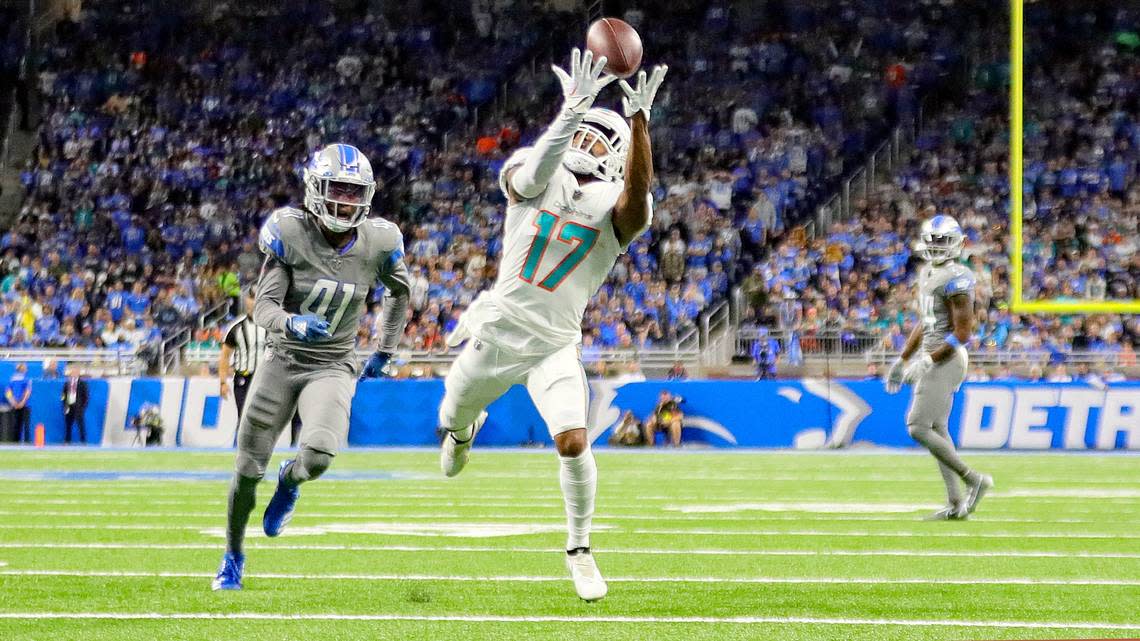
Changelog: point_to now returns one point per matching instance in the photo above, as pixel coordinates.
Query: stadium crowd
(160, 154)
(1082, 204)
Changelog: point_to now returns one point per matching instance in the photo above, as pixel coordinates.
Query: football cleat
(280, 509)
(229, 574)
(588, 581)
(453, 455)
(978, 489)
(949, 513)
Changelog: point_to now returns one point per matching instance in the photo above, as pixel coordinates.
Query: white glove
(918, 369)
(641, 99)
(584, 81)
(894, 378)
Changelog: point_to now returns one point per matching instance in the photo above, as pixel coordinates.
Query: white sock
(579, 479)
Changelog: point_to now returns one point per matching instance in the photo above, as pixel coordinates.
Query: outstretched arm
(632, 212)
(579, 89)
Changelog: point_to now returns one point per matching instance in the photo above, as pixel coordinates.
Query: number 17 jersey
(558, 248)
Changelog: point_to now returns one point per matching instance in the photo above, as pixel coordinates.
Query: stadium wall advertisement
(805, 414)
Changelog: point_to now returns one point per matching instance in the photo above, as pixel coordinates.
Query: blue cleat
(280, 509)
(229, 575)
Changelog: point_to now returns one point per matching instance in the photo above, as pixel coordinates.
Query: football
(618, 42)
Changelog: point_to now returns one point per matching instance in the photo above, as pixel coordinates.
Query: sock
(942, 448)
(243, 495)
(309, 465)
(579, 479)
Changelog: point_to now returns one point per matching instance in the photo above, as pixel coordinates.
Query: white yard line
(490, 618)
(514, 578)
(334, 547)
(762, 517)
(557, 509)
(930, 534)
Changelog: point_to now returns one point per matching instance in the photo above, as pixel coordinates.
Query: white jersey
(558, 249)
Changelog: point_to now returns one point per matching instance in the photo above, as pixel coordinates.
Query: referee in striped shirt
(242, 349)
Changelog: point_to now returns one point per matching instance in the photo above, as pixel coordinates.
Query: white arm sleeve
(532, 176)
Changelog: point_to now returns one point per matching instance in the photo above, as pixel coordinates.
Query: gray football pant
(323, 398)
(321, 395)
(929, 414)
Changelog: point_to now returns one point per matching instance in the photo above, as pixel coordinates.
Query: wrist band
(952, 340)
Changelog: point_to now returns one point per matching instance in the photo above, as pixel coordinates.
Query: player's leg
(271, 401)
(930, 407)
(977, 483)
(476, 379)
(324, 404)
(560, 392)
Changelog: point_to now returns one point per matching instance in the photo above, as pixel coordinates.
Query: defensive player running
(319, 265)
(576, 201)
(946, 306)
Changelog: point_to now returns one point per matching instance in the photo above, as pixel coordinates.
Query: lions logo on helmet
(612, 132)
(339, 186)
(941, 239)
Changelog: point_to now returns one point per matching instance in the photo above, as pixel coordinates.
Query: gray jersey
(303, 274)
(936, 284)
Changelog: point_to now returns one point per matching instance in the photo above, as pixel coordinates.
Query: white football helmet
(341, 175)
(941, 239)
(609, 128)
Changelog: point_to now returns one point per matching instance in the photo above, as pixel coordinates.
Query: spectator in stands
(1005, 374)
(677, 372)
(17, 393)
(667, 417)
(1060, 374)
(74, 399)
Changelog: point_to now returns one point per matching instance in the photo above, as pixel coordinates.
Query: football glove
(376, 366)
(918, 369)
(894, 378)
(308, 327)
(582, 84)
(641, 98)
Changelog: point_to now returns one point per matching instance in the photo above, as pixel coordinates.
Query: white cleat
(978, 489)
(588, 582)
(453, 455)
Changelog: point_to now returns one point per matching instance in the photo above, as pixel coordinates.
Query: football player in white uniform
(577, 199)
(946, 314)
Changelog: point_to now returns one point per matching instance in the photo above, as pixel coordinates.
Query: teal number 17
(571, 233)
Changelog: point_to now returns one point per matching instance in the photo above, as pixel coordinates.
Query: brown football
(618, 42)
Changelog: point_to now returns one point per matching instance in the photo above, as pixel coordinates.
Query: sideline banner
(805, 413)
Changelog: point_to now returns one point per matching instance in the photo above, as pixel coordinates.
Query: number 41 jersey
(558, 249)
(309, 276)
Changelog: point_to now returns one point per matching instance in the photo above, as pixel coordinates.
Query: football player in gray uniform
(946, 314)
(320, 262)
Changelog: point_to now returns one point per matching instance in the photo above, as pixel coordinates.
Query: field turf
(112, 544)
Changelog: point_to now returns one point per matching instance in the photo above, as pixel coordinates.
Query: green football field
(742, 545)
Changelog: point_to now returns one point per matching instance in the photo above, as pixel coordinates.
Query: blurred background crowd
(164, 135)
